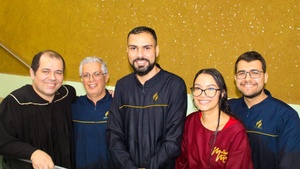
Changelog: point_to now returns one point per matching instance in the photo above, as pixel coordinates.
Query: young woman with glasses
(213, 137)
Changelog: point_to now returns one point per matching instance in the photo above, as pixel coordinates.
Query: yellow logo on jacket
(106, 115)
(221, 154)
(155, 96)
(259, 124)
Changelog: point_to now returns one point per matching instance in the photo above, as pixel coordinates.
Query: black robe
(28, 122)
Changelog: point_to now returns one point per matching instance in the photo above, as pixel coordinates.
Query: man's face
(251, 87)
(48, 78)
(94, 81)
(142, 52)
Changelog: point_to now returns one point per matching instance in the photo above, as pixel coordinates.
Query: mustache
(248, 83)
(138, 59)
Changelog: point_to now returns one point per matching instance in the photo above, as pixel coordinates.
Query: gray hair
(92, 59)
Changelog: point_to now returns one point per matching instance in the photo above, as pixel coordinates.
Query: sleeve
(289, 139)
(240, 153)
(182, 161)
(115, 136)
(171, 147)
(9, 145)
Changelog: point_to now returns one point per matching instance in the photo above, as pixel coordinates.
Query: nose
(140, 53)
(91, 77)
(52, 75)
(202, 94)
(248, 76)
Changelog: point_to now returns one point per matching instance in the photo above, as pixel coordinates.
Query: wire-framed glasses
(95, 75)
(209, 92)
(254, 74)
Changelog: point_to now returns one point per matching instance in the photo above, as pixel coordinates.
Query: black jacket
(145, 122)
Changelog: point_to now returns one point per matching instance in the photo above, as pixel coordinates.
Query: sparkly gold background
(192, 35)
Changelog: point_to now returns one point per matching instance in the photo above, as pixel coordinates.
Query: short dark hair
(35, 64)
(142, 29)
(251, 56)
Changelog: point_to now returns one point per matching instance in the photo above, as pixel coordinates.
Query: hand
(41, 160)
(111, 92)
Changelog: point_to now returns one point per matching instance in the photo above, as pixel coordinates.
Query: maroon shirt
(230, 151)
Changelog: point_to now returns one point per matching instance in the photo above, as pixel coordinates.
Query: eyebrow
(92, 72)
(210, 85)
(142, 46)
(249, 70)
(49, 69)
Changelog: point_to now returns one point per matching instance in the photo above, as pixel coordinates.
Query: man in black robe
(35, 120)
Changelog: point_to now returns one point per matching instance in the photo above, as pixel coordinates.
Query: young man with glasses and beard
(273, 127)
(147, 115)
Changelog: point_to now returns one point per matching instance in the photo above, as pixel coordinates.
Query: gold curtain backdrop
(192, 35)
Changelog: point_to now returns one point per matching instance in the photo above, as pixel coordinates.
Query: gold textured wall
(192, 35)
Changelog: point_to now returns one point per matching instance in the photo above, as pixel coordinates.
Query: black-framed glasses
(95, 75)
(209, 92)
(254, 74)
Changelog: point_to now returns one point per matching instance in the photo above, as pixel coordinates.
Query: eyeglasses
(95, 75)
(209, 92)
(253, 74)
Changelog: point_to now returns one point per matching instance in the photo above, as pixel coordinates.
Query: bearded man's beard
(254, 94)
(142, 71)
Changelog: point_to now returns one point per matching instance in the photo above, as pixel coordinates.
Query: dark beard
(254, 95)
(142, 71)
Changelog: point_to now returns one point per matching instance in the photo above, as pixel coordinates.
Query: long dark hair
(223, 98)
(223, 102)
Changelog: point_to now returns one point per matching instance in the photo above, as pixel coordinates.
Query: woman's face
(209, 98)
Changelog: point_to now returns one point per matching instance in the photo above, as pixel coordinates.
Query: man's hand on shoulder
(41, 160)
(111, 92)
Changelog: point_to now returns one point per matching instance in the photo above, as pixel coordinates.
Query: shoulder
(192, 121)
(173, 82)
(124, 82)
(281, 108)
(24, 95)
(235, 123)
(108, 96)
(280, 103)
(192, 116)
(128, 79)
(235, 101)
(276, 104)
(237, 105)
(65, 93)
(235, 127)
(68, 88)
(23, 91)
(171, 76)
(79, 100)
(79, 105)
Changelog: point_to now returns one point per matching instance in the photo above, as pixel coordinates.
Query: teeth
(93, 85)
(140, 62)
(51, 85)
(248, 85)
(203, 101)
